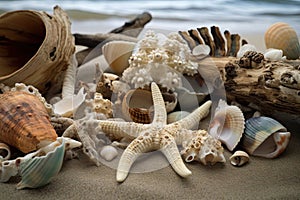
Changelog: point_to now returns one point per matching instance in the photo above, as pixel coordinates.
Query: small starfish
(155, 136)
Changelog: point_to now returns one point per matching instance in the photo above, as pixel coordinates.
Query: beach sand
(260, 179)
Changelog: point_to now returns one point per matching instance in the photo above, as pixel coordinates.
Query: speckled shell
(283, 36)
(38, 170)
(265, 137)
(24, 121)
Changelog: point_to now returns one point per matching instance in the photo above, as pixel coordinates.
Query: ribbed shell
(257, 130)
(24, 121)
(38, 171)
(282, 36)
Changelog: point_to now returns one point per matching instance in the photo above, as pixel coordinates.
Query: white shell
(117, 54)
(109, 152)
(201, 49)
(239, 158)
(227, 124)
(4, 152)
(274, 55)
(244, 49)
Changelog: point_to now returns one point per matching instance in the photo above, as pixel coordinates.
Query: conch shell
(24, 121)
(36, 48)
(283, 36)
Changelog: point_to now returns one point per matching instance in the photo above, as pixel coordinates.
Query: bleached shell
(109, 152)
(244, 49)
(24, 121)
(177, 115)
(227, 125)
(239, 158)
(201, 50)
(265, 137)
(283, 36)
(4, 152)
(274, 54)
(38, 170)
(117, 54)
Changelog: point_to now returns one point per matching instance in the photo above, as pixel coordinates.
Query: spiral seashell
(265, 137)
(117, 54)
(239, 158)
(227, 125)
(24, 121)
(4, 152)
(283, 36)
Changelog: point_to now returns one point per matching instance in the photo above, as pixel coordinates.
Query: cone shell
(265, 137)
(24, 121)
(38, 170)
(283, 36)
(117, 54)
(227, 125)
(36, 48)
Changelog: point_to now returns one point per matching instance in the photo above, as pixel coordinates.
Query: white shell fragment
(244, 49)
(4, 152)
(239, 158)
(108, 152)
(274, 55)
(201, 50)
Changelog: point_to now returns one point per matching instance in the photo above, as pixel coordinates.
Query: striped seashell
(38, 168)
(265, 137)
(283, 36)
(24, 121)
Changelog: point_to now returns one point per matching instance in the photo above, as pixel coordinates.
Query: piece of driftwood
(128, 32)
(219, 41)
(267, 86)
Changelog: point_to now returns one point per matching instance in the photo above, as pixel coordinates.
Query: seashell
(37, 169)
(239, 158)
(227, 124)
(244, 49)
(274, 55)
(4, 152)
(251, 59)
(117, 54)
(283, 36)
(104, 85)
(101, 105)
(24, 121)
(35, 48)
(175, 116)
(109, 152)
(201, 50)
(137, 105)
(265, 137)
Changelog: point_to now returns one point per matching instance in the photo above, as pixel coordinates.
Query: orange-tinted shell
(283, 36)
(24, 121)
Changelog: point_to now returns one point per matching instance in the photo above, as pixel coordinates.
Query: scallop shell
(283, 36)
(117, 54)
(239, 158)
(24, 121)
(4, 152)
(36, 47)
(37, 169)
(227, 125)
(265, 137)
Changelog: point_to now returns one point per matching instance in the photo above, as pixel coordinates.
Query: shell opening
(267, 147)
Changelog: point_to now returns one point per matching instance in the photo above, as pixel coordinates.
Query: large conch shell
(265, 137)
(283, 36)
(24, 121)
(35, 47)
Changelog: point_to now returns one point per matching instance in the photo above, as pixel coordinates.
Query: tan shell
(283, 36)
(35, 47)
(117, 54)
(24, 121)
(239, 158)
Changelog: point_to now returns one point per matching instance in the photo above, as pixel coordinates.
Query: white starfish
(155, 136)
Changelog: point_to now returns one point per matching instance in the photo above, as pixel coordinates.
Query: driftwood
(128, 32)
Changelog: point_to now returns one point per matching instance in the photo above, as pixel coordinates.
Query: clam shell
(283, 36)
(227, 125)
(117, 54)
(265, 137)
(42, 166)
(35, 48)
(239, 158)
(4, 152)
(24, 121)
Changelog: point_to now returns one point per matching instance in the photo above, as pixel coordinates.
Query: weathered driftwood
(128, 32)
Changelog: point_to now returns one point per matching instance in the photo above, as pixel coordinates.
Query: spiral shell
(24, 121)
(4, 152)
(239, 158)
(283, 36)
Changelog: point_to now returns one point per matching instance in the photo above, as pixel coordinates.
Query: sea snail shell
(239, 158)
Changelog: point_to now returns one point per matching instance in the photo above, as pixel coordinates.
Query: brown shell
(283, 36)
(35, 48)
(24, 121)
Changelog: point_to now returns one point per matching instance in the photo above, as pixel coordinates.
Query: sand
(260, 179)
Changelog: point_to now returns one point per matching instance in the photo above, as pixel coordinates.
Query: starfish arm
(135, 148)
(194, 118)
(170, 150)
(121, 129)
(160, 113)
